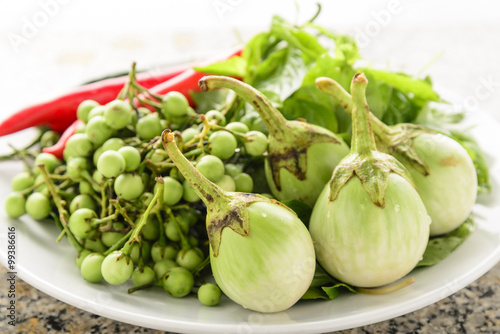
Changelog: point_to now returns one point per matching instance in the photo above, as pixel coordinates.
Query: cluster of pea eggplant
(373, 212)
(105, 197)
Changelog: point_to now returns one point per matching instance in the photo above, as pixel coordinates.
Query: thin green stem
(63, 214)
(31, 144)
(98, 221)
(157, 199)
(275, 122)
(22, 155)
(311, 20)
(237, 134)
(193, 153)
(201, 266)
(121, 210)
(59, 177)
(142, 287)
(231, 98)
(363, 141)
(159, 166)
(104, 198)
(89, 179)
(185, 244)
(119, 244)
(162, 241)
(29, 190)
(151, 103)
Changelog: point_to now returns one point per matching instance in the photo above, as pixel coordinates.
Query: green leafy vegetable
(325, 287)
(405, 83)
(298, 38)
(233, 67)
(439, 248)
(281, 74)
(477, 155)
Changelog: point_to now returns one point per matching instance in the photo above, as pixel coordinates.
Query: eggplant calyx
(288, 140)
(394, 140)
(397, 140)
(232, 214)
(365, 161)
(372, 170)
(224, 209)
(229, 212)
(290, 151)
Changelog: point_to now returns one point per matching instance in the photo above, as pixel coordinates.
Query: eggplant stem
(363, 141)
(273, 119)
(333, 88)
(386, 289)
(207, 190)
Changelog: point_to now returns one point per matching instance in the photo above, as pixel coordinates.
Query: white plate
(50, 268)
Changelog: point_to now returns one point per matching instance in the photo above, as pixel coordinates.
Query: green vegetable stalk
(442, 169)
(261, 254)
(301, 156)
(369, 225)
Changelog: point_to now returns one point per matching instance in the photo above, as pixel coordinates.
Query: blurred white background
(49, 46)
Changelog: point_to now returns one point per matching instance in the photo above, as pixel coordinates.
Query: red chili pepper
(61, 112)
(58, 148)
(186, 81)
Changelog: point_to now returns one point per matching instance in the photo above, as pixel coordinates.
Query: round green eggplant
(449, 191)
(363, 244)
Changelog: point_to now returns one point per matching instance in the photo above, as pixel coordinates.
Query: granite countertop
(473, 309)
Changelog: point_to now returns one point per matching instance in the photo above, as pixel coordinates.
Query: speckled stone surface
(474, 309)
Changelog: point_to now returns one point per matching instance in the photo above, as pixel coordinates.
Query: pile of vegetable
(258, 175)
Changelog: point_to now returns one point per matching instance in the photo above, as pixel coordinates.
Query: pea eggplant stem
(119, 244)
(157, 199)
(63, 214)
(16, 151)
